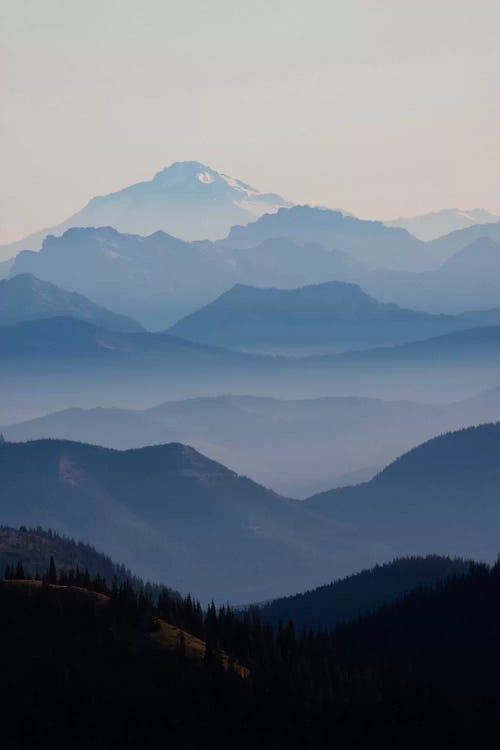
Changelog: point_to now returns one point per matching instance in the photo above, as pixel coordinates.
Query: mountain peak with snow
(187, 199)
(196, 174)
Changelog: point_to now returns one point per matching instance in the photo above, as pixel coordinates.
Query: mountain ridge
(172, 514)
(436, 224)
(160, 276)
(442, 494)
(167, 511)
(77, 364)
(25, 298)
(313, 442)
(466, 280)
(320, 318)
(159, 279)
(369, 242)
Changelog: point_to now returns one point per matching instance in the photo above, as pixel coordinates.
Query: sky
(380, 107)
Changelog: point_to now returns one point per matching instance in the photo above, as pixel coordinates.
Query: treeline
(71, 577)
(33, 548)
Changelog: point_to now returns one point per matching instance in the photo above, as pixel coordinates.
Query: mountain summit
(314, 319)
(369, 242)
(187, 199)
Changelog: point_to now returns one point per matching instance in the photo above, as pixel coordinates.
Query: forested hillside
(33, 548)
(341, 601)
(423, 669)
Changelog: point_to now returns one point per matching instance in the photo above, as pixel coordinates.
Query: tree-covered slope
(341, 601)
(33, 548)
(99, 668)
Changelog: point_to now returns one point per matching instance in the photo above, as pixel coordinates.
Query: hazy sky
(380, 107)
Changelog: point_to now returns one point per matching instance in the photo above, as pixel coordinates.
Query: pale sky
(380, 107)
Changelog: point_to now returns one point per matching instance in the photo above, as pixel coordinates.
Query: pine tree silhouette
(52, 573)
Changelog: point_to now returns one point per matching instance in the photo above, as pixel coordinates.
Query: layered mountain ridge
(57, 363)
(296, 447)
(436, 224)
(174, 515)
(443, 494)
(159, 279)
(321, 318)
(25, 298)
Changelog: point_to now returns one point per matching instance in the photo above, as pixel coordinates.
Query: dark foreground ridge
(94, 667)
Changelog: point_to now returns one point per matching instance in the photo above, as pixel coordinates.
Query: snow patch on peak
(205, 177)
(239, 186)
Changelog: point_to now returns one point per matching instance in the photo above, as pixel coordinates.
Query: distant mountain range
(62, 336)
(444, 247)
(469, 279)
(174, 515)
(443, 495)
(322, 318)
(371, 243)
(186, 199)
(295, 447)
(192, 201)
(170, 513)
(438, 223)
(24, 298)
(56, 363)
(147, 277)
(159, 279)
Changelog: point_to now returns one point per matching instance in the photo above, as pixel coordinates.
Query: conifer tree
(52, 573)
(86, 579)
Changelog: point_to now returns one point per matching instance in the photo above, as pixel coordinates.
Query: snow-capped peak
(187, 199)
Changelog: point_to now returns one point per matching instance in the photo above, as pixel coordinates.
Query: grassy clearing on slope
(169, 637)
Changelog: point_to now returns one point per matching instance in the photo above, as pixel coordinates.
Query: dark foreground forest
(103, 667)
